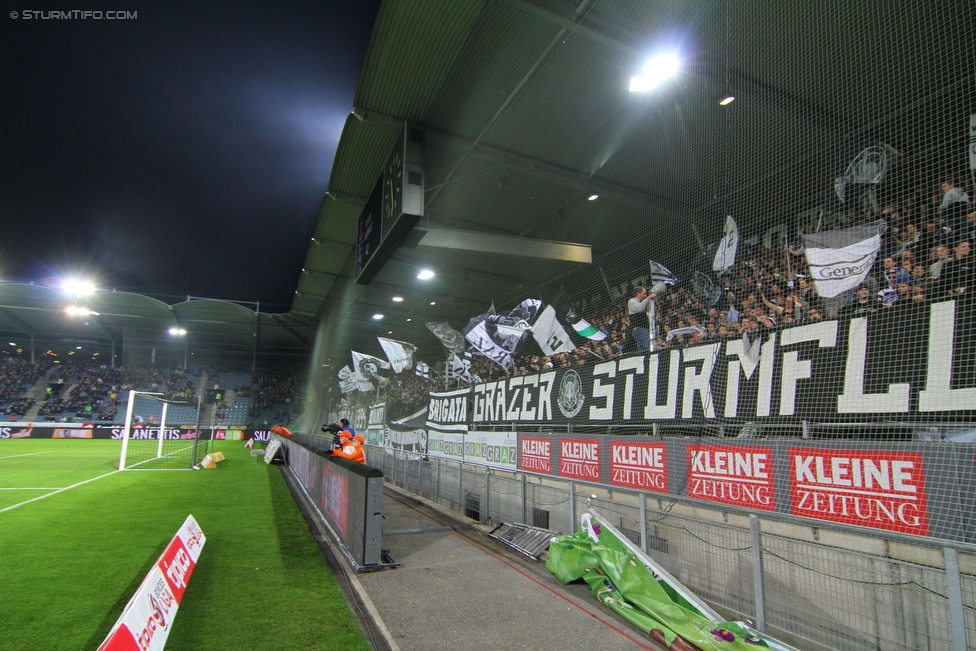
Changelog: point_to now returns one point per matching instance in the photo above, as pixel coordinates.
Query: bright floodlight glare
(78, 287)
(377, 316)
(10, 343)
(593, 197)
(433, 302)
(397, 299)
(78, 311)
(77, 347)
(425, 274)
(177, 331)
(656, 71)
(728, 100)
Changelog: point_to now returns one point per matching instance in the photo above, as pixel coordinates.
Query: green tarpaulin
(621, 581)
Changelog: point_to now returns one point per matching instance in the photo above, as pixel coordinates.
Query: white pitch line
(30, 488)
(60, 490)
(25, 455)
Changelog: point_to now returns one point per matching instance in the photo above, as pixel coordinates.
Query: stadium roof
(135, 321)
(528, 114)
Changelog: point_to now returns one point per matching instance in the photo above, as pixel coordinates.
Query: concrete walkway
(457, 589)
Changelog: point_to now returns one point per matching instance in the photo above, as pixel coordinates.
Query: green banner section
(621, 582)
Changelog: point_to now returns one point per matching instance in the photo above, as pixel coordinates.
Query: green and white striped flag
(583, 328)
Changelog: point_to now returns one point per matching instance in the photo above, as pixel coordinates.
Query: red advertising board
(146, 621)
(579, 459)
(639, 465)
(335, 497)
(732, 475)
(535, 454)
(866, 488)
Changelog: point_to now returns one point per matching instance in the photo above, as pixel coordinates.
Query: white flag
(422, 370)
(552, 337)
(366, 370)
(725, 255)
(347, 380)
(840, 260)
(400, 353)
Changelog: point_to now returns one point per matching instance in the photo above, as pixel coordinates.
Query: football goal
(163, 435)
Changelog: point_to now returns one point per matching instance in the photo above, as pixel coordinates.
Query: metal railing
(815, 587)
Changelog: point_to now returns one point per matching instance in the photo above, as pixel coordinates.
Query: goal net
(163, 435)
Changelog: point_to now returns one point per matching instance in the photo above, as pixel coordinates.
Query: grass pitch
(70, 561)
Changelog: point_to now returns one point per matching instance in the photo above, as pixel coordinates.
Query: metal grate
(531, 541)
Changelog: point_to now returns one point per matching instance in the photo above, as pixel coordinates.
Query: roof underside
(527, 112)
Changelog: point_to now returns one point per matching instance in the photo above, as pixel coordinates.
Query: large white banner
(840, 260)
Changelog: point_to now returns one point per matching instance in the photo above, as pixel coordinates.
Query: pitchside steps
(531, 541)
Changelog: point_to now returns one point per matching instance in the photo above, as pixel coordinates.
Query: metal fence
(815, 587)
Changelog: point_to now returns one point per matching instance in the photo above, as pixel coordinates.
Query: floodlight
(656, 71)
(728, 100)
(593, 197)
(377, 316)
(78, 287)
(397, 299)
(433, 302)
(177, 331)
(73, 310)
(425, 274)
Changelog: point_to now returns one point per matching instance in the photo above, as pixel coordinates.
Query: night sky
(184, 152)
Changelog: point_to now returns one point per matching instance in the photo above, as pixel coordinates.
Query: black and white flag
(366, 371)
(661, 275)
(347, 380)
(483, 334)
(400, 353)
(451, 338)
(552, 337)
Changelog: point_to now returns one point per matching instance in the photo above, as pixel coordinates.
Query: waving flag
(840, 260)
(727, 247)
(584, 329)
(661, 274)
(483, 334)
(551, 336)
(451, 338)
(366, 370)
(400, 353)
(347, 380)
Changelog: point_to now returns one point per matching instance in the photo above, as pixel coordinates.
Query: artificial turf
(70, 562)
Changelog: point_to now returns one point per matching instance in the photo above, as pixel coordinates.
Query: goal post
(147, 444)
